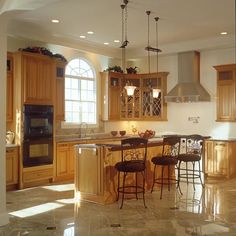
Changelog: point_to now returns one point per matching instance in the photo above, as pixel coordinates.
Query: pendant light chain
(122, 35)
(156, 19)
(149, 68)
(126, 17)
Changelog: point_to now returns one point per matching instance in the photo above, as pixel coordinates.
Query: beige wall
(3, 213)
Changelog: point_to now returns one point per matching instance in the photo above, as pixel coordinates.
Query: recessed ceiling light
(224, 33)
(82, 36)
(116, 41)
(90, 32)
(106, 43)
(55, 21)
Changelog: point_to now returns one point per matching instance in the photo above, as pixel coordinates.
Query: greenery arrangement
(132, 70)
(43, 51)
(114, 69)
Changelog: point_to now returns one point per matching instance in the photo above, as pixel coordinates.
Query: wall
(3, 213)
(178, 113)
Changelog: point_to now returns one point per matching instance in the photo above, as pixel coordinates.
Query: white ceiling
(182, 23)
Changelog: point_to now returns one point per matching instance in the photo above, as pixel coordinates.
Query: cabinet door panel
(39, 80)
(11, 166)
(220, 158)
(60, 99)
(226, 101)
(9, 97)
(62, 162)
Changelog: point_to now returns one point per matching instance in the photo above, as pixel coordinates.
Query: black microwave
(38, 121)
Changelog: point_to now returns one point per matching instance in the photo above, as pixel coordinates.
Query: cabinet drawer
(62, 145)
(37, 175)
(12, 151)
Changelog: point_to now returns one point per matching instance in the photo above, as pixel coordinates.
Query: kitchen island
(95, 174)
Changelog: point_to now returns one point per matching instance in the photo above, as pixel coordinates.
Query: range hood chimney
(188, 88)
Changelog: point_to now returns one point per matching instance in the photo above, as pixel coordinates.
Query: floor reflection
(207, 211)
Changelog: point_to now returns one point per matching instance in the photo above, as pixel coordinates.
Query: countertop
(11, 145)
(76, 138)
(116, 146)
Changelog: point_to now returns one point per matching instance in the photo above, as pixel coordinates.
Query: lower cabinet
(219, 158)
(65, 161)
(12, 167)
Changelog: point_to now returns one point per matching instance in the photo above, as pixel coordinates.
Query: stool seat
(130, 166)
(189, 157)
(164, 160)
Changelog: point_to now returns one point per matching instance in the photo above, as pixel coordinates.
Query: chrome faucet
(83, 129)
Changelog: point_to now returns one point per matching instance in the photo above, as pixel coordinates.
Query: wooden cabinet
(117, 105)
(60, 91)
(62, 160)
(9, 88)
(226, 92)
(111, 95)
(219, 158)
(37, 175)
(36, 74)
(12, 167)
(65, 160)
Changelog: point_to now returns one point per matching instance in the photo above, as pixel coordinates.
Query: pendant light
(129, 87)
(155, 91)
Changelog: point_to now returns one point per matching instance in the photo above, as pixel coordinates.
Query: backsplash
(77, 131)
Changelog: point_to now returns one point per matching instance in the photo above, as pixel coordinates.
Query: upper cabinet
(226, 92)
(60, 91)
(36, 75)
(9, 86)
(117, 105)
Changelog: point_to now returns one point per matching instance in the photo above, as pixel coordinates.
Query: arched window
(80, 92)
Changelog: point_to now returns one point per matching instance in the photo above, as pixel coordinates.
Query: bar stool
(170, 152)
(193, 155)
(133, 161)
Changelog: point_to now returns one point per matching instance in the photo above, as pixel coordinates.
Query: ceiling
(183, 24)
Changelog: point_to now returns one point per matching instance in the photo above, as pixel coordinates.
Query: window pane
(80, 92)
(75, 83)
(84, 84)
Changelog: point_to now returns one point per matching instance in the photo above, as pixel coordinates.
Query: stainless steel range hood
(188, 88)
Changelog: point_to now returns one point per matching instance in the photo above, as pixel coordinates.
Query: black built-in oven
(38, 135)
(38, 121)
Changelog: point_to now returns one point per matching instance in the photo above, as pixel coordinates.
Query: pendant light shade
(156, 92)
(130, 89)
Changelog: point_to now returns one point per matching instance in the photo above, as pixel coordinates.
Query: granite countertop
(116, 146)
(11, 145)
(74, 138)
(229, 139)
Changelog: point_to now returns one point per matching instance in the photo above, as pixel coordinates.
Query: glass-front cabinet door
(130, 105)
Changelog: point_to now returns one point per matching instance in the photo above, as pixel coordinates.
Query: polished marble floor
(50, 210)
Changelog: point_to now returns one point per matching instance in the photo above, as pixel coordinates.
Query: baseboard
(4, 218)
